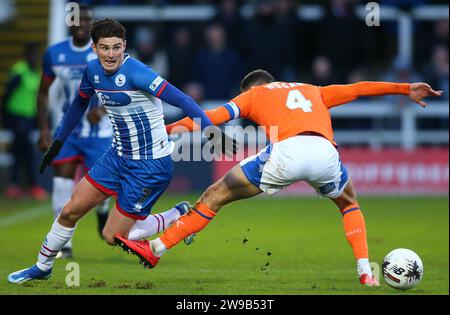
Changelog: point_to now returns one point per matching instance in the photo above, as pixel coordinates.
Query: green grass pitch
(258, 246)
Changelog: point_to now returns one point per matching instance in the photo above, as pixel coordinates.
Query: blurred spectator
(195, 90)
(181, 56)
(322, 72)
(217, 67)
(148, 51)
(288, 25)
(401, 71)
(229, 17)
(263, 40)
(339, 37)
(440, 33)
(436, 72)
(427, 38)
(357, 75)
(20, 111)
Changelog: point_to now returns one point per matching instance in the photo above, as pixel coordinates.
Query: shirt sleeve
(47, 64)
(240, 106)
(86, 88)
(72, 117)
(334, 95)
(145, 79)
(217, 116)
(236, 108)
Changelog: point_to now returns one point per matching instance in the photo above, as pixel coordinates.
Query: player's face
(110, 52)
(81, 32)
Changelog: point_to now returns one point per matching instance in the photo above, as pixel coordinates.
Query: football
(402, 269)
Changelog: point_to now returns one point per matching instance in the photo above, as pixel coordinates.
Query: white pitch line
(25, 215)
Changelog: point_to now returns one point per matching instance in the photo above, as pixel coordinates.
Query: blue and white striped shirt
(136, 114)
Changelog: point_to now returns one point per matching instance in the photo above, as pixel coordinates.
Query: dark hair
(256, 77)
(107, 28)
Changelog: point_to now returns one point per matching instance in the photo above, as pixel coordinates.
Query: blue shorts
(138, 184)
(85, 150)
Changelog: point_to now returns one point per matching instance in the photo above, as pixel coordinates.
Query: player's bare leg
(63, 184)
(355, 230)
(117, 224)
(233, 186)
(84, 198)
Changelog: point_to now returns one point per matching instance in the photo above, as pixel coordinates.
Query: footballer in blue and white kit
(138, 167)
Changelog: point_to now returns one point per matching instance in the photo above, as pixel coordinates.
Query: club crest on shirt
(120, 80)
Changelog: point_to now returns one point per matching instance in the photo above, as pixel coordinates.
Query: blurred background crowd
(208, 58)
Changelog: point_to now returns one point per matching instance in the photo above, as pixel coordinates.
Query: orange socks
(195, 220)
(355, 230)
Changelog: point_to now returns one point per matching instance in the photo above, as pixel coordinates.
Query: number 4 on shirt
(296, 99)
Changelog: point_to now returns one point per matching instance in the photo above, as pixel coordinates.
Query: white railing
(407, 137)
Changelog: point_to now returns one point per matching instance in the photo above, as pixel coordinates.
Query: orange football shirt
(293, 108)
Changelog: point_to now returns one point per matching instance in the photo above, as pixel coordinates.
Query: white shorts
(313, 159)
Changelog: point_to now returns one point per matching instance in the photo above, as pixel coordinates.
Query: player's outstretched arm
(418, 91)
(175, 97)
(217, 116)
(147, 80)
(334, 95)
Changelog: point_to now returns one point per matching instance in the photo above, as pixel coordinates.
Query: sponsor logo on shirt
(96, 79)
